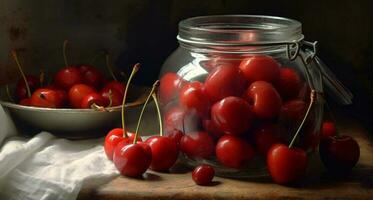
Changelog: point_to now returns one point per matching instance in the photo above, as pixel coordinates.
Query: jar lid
(237, 30)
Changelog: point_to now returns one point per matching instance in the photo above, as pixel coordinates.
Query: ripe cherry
(224, 81)
(114, 97)
(264, 137)
(21, 88)
(114, 85)
(286, 165)
(46, 98)
(116, 135)
(328, 129)
(93, 100)
(91, 76)
(132, 159)
(288, 83)
(232, 115)
(264, 100)
(293, 110)
(27, 85)
(203, 174)
(210, 127)
(181, 119)
(77, 93)
(67, 77)
(25, 102)
(233, 152)
(170, 85)
(164, 152)
(113, 138)
(260, 68)
(193, 97)
(176, 135)
(197, 144)
(339, 153)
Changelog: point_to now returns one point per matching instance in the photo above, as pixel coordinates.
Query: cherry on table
(224, 81)
(164, 152)
(233, 152)
(339, 154)
(197, 144)
(286, 165)
(232, 115)
(132, 159)
(260, 68)
(203, 174)
(264, 100)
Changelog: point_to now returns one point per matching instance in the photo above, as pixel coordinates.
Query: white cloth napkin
(46, 167)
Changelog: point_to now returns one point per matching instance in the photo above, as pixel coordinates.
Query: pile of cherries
(80, 86)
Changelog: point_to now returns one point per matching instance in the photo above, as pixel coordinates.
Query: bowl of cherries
(79, 102)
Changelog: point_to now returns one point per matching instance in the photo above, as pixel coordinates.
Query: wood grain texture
(318, 185)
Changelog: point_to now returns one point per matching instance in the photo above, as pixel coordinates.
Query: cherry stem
(8, 93)
(110, 98)
(313, 97)
(97, 107)
(109, 68)
(14, 53)
(155, 85)
(134, 70)
(64, 52)
(154, 95)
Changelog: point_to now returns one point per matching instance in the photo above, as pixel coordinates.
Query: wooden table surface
(358, 185)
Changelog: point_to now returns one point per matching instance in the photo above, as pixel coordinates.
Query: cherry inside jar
(236, 85)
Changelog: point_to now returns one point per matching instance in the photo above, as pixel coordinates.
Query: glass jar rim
(239, 30)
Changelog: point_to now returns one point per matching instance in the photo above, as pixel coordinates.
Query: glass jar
(239, 83)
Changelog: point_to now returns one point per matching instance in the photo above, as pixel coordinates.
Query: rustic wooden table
(359, 185)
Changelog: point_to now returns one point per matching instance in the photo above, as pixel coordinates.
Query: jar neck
(239, 33)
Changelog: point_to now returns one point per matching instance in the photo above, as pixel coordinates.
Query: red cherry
(265, 137)
(176, 135)
(115, 85)
(264, 99)
(232, 115)
(233, 152)
(181, 119)
(93, 98)
(210, 127)
(164, 152)
(286, 165)
(224, 81)
(193, 96)
(21, 90)
(46, 98)
(328, 129)
(132, 159)
(293, 110)
(197, 144)
(115, 95)
(62, 94)
(67, 77)
(77, 93)
(114, 137)
(288, 83)
(25, 102)
(203, 174)
(260, 68)
(339, 153)
(169, 87)
(91, 76)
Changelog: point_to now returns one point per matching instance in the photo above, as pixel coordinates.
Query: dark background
(145, 31)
